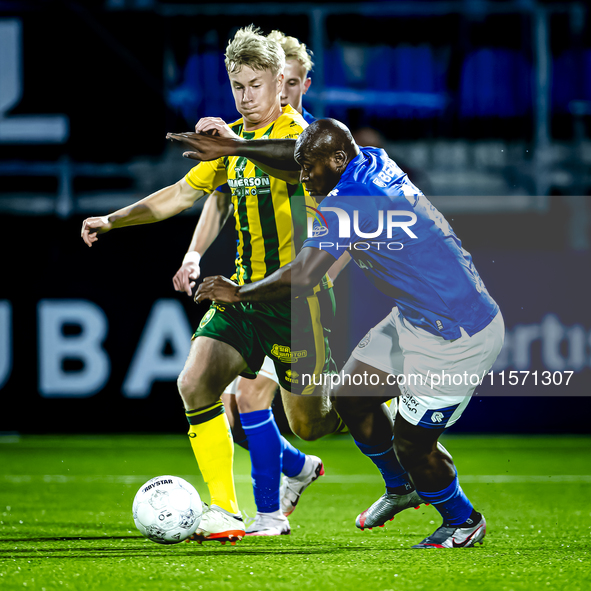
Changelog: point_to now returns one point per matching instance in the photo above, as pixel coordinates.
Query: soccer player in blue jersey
(444, 320)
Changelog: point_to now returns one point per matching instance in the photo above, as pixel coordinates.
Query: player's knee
(305, 429)
(184, 386)
(302, 429)
(191, 395)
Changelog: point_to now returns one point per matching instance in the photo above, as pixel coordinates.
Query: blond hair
(294, 49)
(250, 48)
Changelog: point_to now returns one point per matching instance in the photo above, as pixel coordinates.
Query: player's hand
(92, 227)
(215, 126)
(218, 289)
(185, 278)
(205, 147)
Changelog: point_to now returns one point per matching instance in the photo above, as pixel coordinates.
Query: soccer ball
(167, 510)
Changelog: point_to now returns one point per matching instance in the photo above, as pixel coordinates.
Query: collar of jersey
(287, 110)
(350, 170)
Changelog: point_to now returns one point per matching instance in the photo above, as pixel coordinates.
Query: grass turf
(65, 520)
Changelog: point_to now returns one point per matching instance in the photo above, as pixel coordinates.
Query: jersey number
(363, 264)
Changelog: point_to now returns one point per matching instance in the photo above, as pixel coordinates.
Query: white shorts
(436, 377)
(267, 370)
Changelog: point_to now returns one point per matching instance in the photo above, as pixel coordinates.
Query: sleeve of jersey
(206, 176)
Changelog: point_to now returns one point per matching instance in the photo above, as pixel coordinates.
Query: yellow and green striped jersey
(270, 214)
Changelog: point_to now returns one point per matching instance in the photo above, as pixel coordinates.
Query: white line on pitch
(328, 479)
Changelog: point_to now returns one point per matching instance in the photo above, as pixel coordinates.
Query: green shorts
(290, 333)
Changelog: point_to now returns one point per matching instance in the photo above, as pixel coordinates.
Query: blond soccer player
(248, 402)
(233, 340)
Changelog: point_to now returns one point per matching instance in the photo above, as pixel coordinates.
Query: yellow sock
(211, 440)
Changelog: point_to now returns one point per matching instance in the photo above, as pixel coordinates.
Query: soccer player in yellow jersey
(249, 401)
(233, 340)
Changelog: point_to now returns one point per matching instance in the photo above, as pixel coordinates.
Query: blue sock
(451, 502)
(384, 457)
(266, 451)
(293, 459)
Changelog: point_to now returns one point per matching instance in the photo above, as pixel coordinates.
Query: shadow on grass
(69, 538)
(179, 551)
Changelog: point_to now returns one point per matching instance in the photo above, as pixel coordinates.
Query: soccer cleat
(385, 508)
(450, 536)
(292, 487)
(219, 525)
(269, 524)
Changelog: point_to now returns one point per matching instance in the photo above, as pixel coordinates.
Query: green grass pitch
(65, 520)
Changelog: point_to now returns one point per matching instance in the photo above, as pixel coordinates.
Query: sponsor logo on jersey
(439, 324)
(251, 181)
(286, 355)
(292, 376)
(437, 417)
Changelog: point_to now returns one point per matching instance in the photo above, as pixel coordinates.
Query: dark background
(458, 94)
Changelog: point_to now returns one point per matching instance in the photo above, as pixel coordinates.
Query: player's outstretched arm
(290, 281)
(158, 206)
(275, 157)
(215, 213)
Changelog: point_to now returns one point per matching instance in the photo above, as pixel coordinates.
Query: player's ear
(307, 85)
(340, 160)
(280, 79)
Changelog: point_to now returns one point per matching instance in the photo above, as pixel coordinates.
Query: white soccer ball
(167, 510)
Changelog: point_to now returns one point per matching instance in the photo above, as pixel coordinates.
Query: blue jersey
(308, 117)
(404, 246)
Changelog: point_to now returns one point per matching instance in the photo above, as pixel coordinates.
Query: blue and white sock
(266, 456)
(384, 457)
(451, 502)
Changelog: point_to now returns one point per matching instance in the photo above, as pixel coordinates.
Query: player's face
(295, 84)
(256, 94)
(320, 174)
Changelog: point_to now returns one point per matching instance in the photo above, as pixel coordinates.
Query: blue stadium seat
(403, 81)
(205, 90)
(571, 79)
(495, 83)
